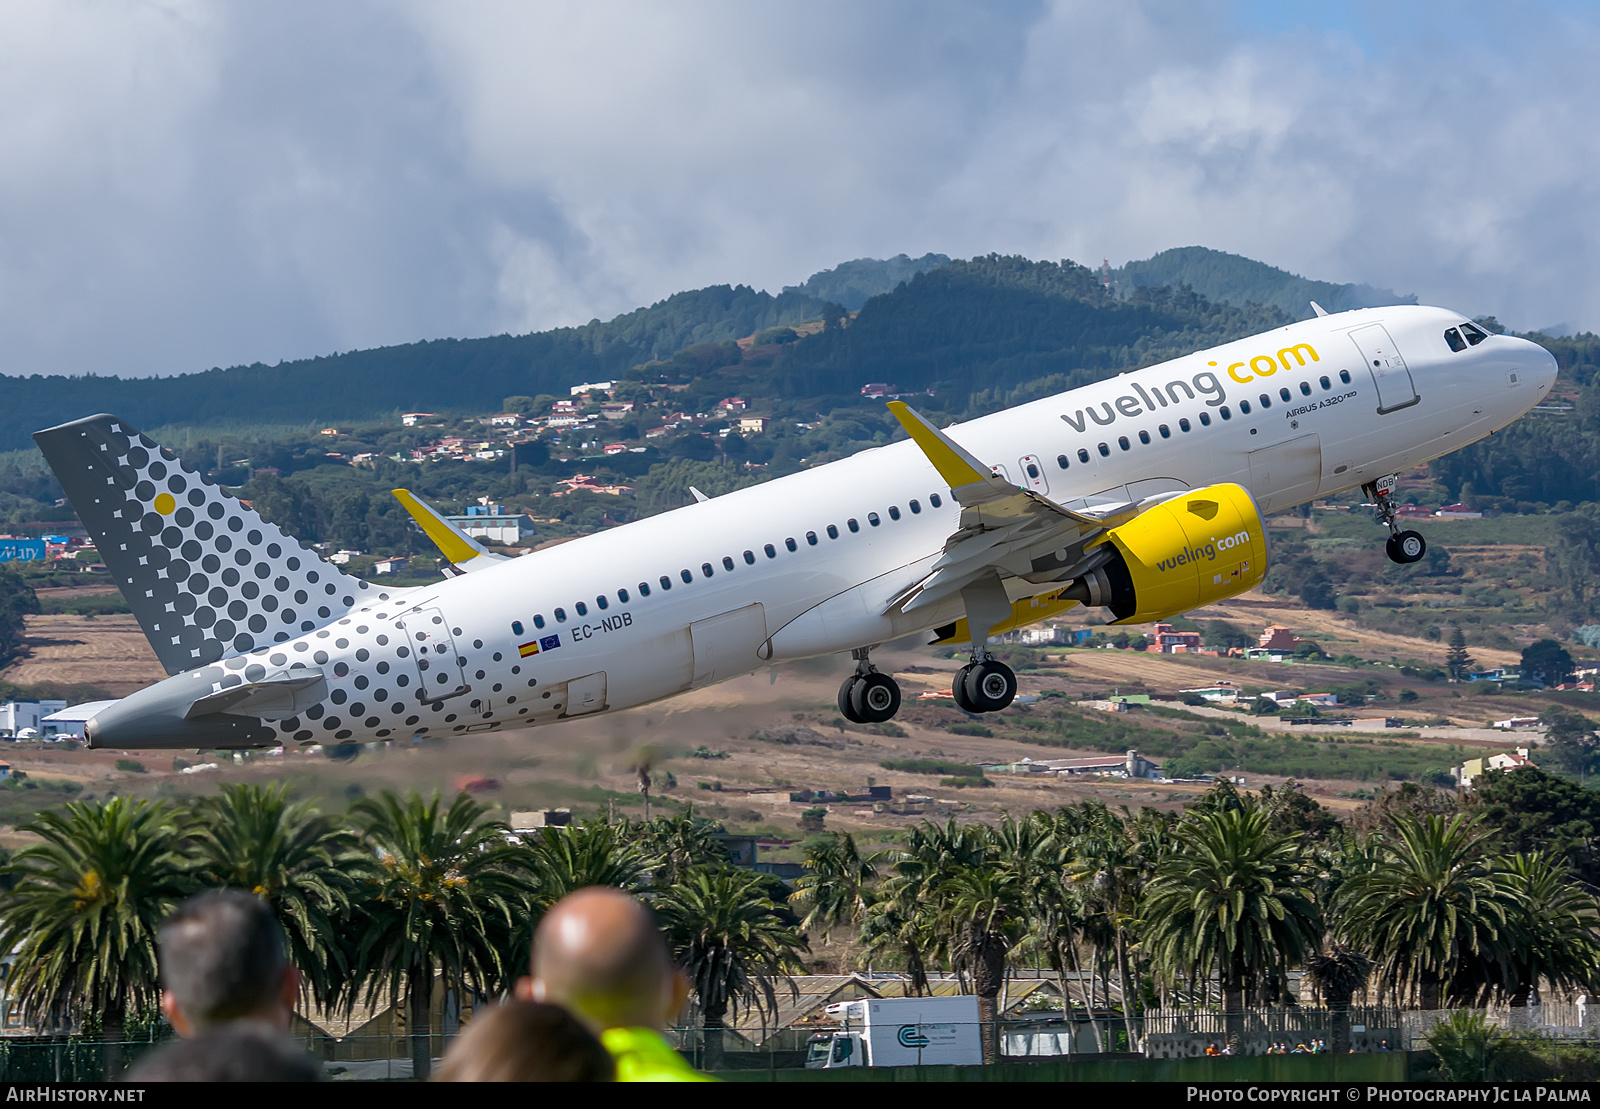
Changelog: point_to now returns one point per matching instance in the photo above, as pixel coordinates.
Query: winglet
(698, 496)
(1318, 309)
(456, 545)
(954, 464)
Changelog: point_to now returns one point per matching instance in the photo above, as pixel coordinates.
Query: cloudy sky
(185, 185)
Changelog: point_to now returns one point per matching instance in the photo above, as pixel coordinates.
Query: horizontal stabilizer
(458, 548)
(276, 697)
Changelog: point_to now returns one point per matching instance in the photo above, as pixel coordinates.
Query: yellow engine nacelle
(1182, 554)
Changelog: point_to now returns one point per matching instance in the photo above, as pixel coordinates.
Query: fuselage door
(434, 648)
(1033, 474)
(1389, 372)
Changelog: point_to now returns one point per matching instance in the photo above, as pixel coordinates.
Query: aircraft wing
(459, 549)
(1003, 526)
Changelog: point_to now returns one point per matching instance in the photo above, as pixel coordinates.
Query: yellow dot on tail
(165, 504)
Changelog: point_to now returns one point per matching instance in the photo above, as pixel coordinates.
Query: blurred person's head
(599, 954)
(231, 1053)
(222, 960)
(524, 1041)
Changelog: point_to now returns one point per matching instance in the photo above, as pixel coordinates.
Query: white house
(17, 716)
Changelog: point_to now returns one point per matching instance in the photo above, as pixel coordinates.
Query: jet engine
(1196, 548)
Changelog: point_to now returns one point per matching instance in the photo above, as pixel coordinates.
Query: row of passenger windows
(708, 570)
(1225, 412)
(1472, 335)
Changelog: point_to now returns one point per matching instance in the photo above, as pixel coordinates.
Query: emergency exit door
(1388, 368)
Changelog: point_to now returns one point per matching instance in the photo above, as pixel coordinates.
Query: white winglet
(1318, 309)
(698, 496)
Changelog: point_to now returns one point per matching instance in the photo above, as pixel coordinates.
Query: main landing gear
(1404, 547)
(984, 685)
(868, 697)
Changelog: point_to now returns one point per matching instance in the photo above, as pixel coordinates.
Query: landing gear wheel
(1406, 547)
(875, 697)
(990, 685)
(958, 690)
(847, 707)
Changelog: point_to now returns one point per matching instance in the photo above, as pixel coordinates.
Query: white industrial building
(17, 717)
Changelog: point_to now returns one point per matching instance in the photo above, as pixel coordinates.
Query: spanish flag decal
(526, 649)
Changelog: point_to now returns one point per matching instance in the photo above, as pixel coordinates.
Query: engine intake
(1197, 548)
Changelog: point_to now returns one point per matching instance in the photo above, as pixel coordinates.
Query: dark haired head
(222, 959)
(523, 1041)
(242, 1053)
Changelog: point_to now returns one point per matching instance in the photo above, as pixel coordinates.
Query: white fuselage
(807, 565)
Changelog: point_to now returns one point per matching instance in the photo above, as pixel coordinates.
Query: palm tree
(981, 912)
(1230, 899)
(442, 899)
(1337, 975)
(305, 865)
(1428, 909)
(86, 908)
(1553, 928)
(836, 889)
(677, 843)
(564, 860)
(732, 941)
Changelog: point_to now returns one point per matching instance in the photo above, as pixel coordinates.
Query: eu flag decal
(549, 643)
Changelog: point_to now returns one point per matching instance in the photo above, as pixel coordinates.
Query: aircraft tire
(1406, 548)
(990, 686)
(875, 697)
(958, 690)
(847, 707)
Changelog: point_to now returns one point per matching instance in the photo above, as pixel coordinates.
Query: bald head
(599, 954)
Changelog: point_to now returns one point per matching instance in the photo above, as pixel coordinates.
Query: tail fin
(459, 549)
(206, 576)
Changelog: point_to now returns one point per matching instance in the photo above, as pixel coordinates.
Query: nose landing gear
(1404, 547)
(867, 696)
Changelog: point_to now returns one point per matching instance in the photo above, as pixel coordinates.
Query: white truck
(900, 1032)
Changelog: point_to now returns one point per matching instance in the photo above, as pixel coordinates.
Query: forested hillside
(1236, 280)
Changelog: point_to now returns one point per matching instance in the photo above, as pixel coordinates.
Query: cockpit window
(1474, 336)
(1453, 337)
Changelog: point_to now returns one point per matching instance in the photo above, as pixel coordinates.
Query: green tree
(17, 599)
(732, 941)
(677, 843)
(1231, 899)
(88, 903)
(1338, 973)
(1552, 927)
(1527, 810)
(1457, 662)
(441, 902)
(303, 864)
(1547, 661)
(1569, 740)
(565, 860)
(981, 911)
(836, 889)
(1429, 910)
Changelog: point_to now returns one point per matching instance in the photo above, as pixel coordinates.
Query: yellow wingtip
(951, 466)
(452, 546)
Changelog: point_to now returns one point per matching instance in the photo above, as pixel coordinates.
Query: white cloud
(189, 184)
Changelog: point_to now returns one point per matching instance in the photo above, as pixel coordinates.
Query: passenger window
(791, 544)
(833, 531)
(1061, 460)
(1284, 394)
(1324, 382)
(644, 589)
(602, 602)
(771, 551)
(1183, 424)
(1225, 414)
(872, 518)
(852, 525)
(1305, 388)
(894, 512)
(705, 568)
(1144, 437)
(1266, 401)
(749, 558)
(1474, 336)
(1205, 419)
(1033, 471)
(686, 576)
(666, 583)
(1122, 441)
(538, 621)
(1166, 432)
(561, 616)
(583, 609)
(1344, 376)
(727, 563)
(915, 508)
(811, 538)
(933, 499)
(1244, 407)
(1083, 455)
(1105, 450)
(622, 595)
(516, 627)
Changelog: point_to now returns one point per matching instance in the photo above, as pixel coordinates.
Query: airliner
(1142, 495)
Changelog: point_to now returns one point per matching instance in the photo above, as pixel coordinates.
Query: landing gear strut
(868, 697)
(1403, 547)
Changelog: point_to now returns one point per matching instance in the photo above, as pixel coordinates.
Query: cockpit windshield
(1453, 337)
(1459, 338)
(1473, 334)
